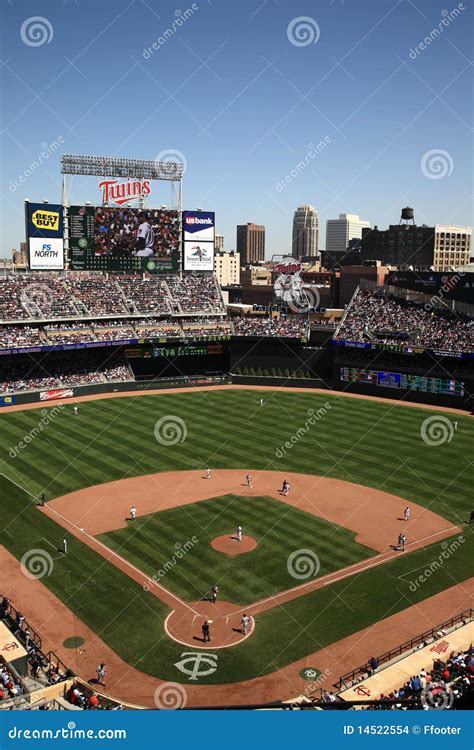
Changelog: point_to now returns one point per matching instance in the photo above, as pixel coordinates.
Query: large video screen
(403, 381)
(124, 239)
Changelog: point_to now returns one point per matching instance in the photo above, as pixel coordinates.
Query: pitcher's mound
(230, 545)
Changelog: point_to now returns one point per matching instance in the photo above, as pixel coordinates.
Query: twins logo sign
(289, 288)
(200, 664)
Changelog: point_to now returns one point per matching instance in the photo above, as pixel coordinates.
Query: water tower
(408, 215)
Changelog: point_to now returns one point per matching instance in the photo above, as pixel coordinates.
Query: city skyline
(350, 111)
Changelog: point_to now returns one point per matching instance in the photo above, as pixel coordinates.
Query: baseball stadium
(215, 505)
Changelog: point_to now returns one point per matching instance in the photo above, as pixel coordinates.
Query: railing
(51, 657)
(347, 680)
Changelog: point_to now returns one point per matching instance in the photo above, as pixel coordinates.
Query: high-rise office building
(251, 243)
(339, 232)
(305, 232)
(219, 241)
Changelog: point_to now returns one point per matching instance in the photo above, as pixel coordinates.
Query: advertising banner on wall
(198, 256)
(199, 226)
(44, 233)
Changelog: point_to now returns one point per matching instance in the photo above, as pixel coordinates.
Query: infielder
(249, 481)
(245, 622)
(133, 513)
(286, 488)
(208, 473)
(406, 514)
(401, 542)
(239, 533)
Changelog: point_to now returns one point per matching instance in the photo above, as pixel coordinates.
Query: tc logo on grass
(170, 430)
(197, 660)
(302, 564)
(170, 696)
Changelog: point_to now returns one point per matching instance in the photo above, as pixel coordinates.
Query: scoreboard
(403, 381)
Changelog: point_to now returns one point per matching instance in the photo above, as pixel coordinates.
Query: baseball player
(401, 542)
(101, 673)
(145, 237)
(214, 592)
(286, 488)
(245, 622)
(64, 546)
(208, 473)
(75, 410)
(262, 402)
(406, 513)
(133, 513)
(206, 632)
(239, 533)
(249, 481)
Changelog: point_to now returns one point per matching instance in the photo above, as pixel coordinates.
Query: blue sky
(240, 88)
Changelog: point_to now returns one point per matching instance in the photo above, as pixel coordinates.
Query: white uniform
(249, 481)
(239, 533)
(146, 232)
(406, 514)
(133, 512)
(261, 402)
(245, 622)
(65, 546)
(208, 473)
(75, 409)
(287, 489)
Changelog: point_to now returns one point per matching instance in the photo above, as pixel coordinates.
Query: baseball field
(314, 567)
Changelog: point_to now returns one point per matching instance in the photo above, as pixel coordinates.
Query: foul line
(122, 560)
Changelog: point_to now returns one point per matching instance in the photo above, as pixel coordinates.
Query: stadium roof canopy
(112, 166)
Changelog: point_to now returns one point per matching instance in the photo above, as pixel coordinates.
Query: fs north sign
(46, 254)
(120, 193)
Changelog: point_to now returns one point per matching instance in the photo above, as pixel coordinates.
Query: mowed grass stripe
(281, 530)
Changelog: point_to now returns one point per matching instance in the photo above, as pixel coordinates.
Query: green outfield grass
(150, 543)
(374, 444)
(114, 606)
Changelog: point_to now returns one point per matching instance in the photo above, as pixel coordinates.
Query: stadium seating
(378, 318)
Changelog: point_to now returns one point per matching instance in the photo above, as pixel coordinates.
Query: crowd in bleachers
(89, 369)
(291, 325)
(196, 294)
(81, 294)
(440, 686)
(376, 317)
